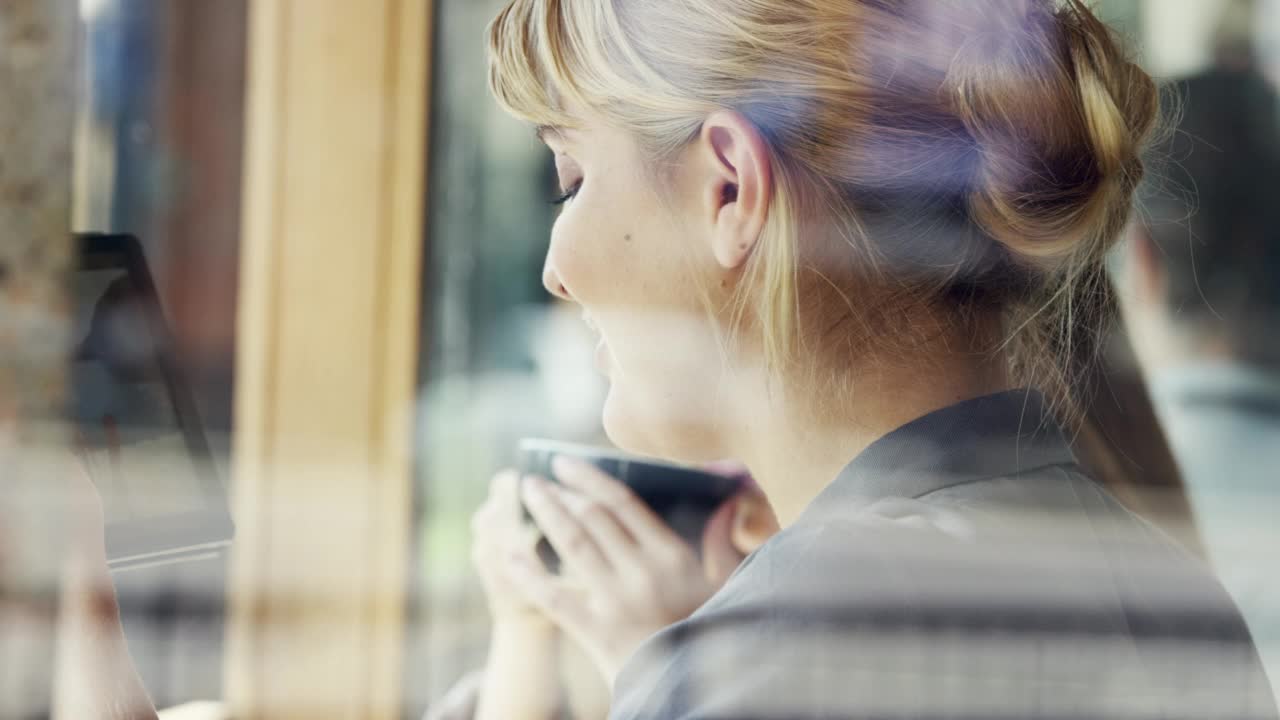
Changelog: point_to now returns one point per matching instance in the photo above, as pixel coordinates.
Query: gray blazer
(962, 566)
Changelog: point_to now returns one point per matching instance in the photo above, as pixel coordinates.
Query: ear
(737, 184)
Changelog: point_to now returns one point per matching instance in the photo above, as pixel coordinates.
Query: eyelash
(568, 195)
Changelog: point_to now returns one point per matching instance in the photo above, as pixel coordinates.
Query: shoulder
(826, 619)
(1028, 539)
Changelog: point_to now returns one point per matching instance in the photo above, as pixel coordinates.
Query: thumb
(719, 555)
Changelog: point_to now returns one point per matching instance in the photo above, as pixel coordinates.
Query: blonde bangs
(539, 54)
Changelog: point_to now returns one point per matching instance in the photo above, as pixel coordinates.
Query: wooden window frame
(327, 353)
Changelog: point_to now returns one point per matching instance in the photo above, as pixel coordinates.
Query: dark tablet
(136, 425)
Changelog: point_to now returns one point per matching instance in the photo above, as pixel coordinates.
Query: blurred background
(158, 148)
(185, 122)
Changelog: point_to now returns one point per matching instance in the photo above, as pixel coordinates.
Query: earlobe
(741, 185)
(730, 245)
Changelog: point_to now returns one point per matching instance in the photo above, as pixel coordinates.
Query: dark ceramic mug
(684, 497)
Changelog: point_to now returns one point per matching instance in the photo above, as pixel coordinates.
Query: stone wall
(37, 91)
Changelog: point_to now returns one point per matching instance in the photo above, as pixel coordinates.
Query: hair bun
(1034, 83)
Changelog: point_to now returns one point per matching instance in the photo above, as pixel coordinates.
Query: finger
(504, 493)
(570, 538)
(720, 557)
(499, 516)
(643, 524)
(619, 547)
(555, 597)
(499, 523)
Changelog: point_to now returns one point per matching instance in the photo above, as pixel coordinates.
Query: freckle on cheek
(627, 237)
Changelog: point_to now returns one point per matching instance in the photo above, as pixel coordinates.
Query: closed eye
(569, 195)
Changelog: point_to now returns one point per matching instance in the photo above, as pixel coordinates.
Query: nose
(551, 281)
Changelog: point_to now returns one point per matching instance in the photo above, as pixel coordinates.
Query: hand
(94, 676)
(94, 669)
(497, 530)
(87, 549)
(625, 574)
(523, 645)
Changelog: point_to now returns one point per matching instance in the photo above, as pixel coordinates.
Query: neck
(797, 441)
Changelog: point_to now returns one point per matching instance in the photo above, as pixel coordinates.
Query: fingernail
(562, 464)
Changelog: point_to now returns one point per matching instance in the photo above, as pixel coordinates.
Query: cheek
(627, 261)
(624, 261)
(666, 376)
(593, 246)
(584, 253)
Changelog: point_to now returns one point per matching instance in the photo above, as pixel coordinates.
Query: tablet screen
(128, 426)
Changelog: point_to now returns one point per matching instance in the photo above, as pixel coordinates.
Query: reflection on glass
(471, 413)
(127, 426)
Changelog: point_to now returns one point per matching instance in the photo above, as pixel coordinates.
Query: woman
(859, 245)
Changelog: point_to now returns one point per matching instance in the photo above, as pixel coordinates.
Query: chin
(621, 426)
(655, 429)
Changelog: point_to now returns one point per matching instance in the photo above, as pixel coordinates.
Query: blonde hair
(969, 155)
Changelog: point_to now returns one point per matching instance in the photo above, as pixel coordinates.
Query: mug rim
(535, 444)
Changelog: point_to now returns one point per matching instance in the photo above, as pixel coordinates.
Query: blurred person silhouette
(94, 673)
(535, 672)
(1200, 295)
(1233, 44)
(118, 385)
(95, 676)
(860, 246)
(118, 334)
